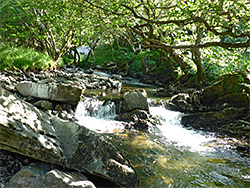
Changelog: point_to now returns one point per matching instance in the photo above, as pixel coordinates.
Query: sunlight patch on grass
(23, 59)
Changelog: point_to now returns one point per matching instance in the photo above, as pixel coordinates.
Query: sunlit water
(169, 155)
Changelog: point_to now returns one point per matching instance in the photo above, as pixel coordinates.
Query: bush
(23, 58)
(219, 61)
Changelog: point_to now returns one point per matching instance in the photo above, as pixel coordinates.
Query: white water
(173, 154)
(174, 132)
(99, 116)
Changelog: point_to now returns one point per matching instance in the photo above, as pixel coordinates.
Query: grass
(26, 59)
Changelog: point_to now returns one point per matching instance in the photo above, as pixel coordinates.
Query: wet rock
(210, 120)
(45, 105)
(89, 71)
(56, 92)
(135, 100)
(139, 119)
(26, 130)
(238, 100)
(41, 175)
(116, 77)
(227, 84)
(228, 91)
(116, 84)
(179, 103)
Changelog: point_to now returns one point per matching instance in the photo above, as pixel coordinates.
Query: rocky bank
(223, 107)
(37, 121)
(31, 111)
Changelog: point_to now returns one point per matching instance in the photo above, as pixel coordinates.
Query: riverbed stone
(51, 91)
(139, 119)
(135, 100)
(210, 120)
(28, 131)
(41, 175)
(45, 105)
(226, 84)
(180, 103)
(238, 100)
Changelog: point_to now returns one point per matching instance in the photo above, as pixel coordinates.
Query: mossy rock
(225, 85)
(235, 100)
(210, 120)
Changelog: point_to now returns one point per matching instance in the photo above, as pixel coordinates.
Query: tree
(183, 29)
(53, 26)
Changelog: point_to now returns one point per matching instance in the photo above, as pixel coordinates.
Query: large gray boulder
(40, 175)
(51, 91)
(135, 100)
(26, 130)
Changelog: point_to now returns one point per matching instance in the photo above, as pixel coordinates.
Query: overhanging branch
(203, 45)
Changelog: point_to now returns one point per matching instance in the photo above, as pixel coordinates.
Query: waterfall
(97, 115)
(93, 107)
(168, 153)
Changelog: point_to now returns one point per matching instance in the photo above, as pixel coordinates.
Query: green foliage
(103, 53)
(67, 60)
(172, 26)
(23, 58)
(135, 67)
(48, 25)
(219, 61)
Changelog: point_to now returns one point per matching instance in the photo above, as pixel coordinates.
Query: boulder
(40, 175)
(135, 100)
(50, 91)
(180, 103)
(45, 105)
(238, 100)
(28, 131)
(213, 119)
(231, 90)
(227, 84)
(139, 119)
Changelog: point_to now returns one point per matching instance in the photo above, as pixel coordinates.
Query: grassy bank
(26, 59)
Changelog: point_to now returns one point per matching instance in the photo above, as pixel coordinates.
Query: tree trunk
(92, 50)
(76, 56)
(182, 64)
(200, 74)
(143, 63)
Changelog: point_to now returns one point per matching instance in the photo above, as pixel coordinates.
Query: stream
(168, 154)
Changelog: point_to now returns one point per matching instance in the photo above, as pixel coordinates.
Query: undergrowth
(26, 59)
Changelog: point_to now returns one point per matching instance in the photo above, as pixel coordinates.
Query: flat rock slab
(26, 130)
(50, 91)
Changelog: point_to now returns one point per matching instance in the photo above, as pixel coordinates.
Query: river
(169, 155)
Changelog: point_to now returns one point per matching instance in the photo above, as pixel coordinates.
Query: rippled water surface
(169, 155)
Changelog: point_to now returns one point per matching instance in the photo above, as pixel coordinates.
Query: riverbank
(87, 82)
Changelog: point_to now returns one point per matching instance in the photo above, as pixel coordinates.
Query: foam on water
(173, 131)
(97, 115)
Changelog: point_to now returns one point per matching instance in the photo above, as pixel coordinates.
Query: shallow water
(169, 155)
